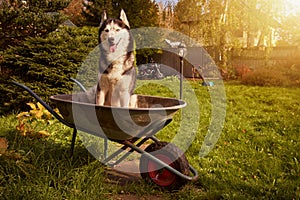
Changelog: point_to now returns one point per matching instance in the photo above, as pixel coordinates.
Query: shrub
(264, 77)
(44, 64)
(23, 19)
(294, 74)
(274, 76)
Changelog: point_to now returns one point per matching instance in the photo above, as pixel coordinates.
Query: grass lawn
(256, 156)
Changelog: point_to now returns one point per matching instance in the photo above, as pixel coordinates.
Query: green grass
(256, 157)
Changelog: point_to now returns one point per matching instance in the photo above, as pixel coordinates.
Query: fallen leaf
(32, 106)
(43, 134)
(40, 106)
(3, 145)
(26, 114)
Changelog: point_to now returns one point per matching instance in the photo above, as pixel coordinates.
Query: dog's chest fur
(112, 74)
(117, 68)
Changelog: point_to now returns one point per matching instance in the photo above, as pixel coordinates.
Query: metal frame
(132, 144)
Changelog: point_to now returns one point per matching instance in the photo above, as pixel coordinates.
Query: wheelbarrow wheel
(169, 154)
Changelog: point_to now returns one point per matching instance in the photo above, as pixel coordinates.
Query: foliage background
(36, 51)
(44, 64)
(20, 20)
(139, 13)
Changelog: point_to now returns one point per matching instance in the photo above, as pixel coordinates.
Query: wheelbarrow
(161, 163)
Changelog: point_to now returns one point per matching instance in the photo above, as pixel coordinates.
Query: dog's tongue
(113, 48)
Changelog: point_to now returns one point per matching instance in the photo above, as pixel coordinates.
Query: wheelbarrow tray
(116, 123)
(125, 126)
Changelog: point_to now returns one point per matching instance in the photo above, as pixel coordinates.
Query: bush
(44, 64)
(294, 75)
(264, 77)
(23, 19)
(274, 76)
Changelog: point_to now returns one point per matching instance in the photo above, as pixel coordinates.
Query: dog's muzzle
(112, 45)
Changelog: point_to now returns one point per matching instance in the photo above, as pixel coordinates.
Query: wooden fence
(197, 61)
(203, 60)
(261, 57)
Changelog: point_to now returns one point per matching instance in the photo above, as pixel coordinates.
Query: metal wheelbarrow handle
(79, 84)
(57, 116)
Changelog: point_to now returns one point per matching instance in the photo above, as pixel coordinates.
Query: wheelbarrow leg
(105, 148)
(73, 141)
(129, 152)
(121, 150)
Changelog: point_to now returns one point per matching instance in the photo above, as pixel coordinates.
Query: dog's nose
(111, 40)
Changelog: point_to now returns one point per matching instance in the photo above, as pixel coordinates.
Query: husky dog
(117, 75)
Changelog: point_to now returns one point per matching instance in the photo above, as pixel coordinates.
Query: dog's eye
(118, 30)
(106, 30)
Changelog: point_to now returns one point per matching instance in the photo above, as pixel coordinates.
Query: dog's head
(114, 31)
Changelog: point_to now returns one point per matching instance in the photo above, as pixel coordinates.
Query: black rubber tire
(167, 152)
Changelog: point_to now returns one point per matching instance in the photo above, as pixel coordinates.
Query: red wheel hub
(161, 176)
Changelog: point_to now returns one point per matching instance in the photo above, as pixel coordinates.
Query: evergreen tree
(140, 13)
(44, 64)
(22, 19)
(93, 9)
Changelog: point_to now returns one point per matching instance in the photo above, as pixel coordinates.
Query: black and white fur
(117, 75)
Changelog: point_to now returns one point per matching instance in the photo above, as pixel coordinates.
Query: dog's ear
(124, 18)
(103, 18)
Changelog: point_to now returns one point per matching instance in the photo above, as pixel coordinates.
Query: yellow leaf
(57, 111)
(37, 114)
(23, 133)
(40, 106)
(20, 127)
(44, 133)
(48, 114)
(33, 112)
(26, 114)
(32, 106)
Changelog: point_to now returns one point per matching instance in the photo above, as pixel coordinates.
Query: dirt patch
(122, 178)
(126, 172)
(118, 176)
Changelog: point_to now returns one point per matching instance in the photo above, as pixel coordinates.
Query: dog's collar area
(106, 71)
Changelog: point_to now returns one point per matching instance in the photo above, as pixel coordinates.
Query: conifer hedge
(45, 64)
